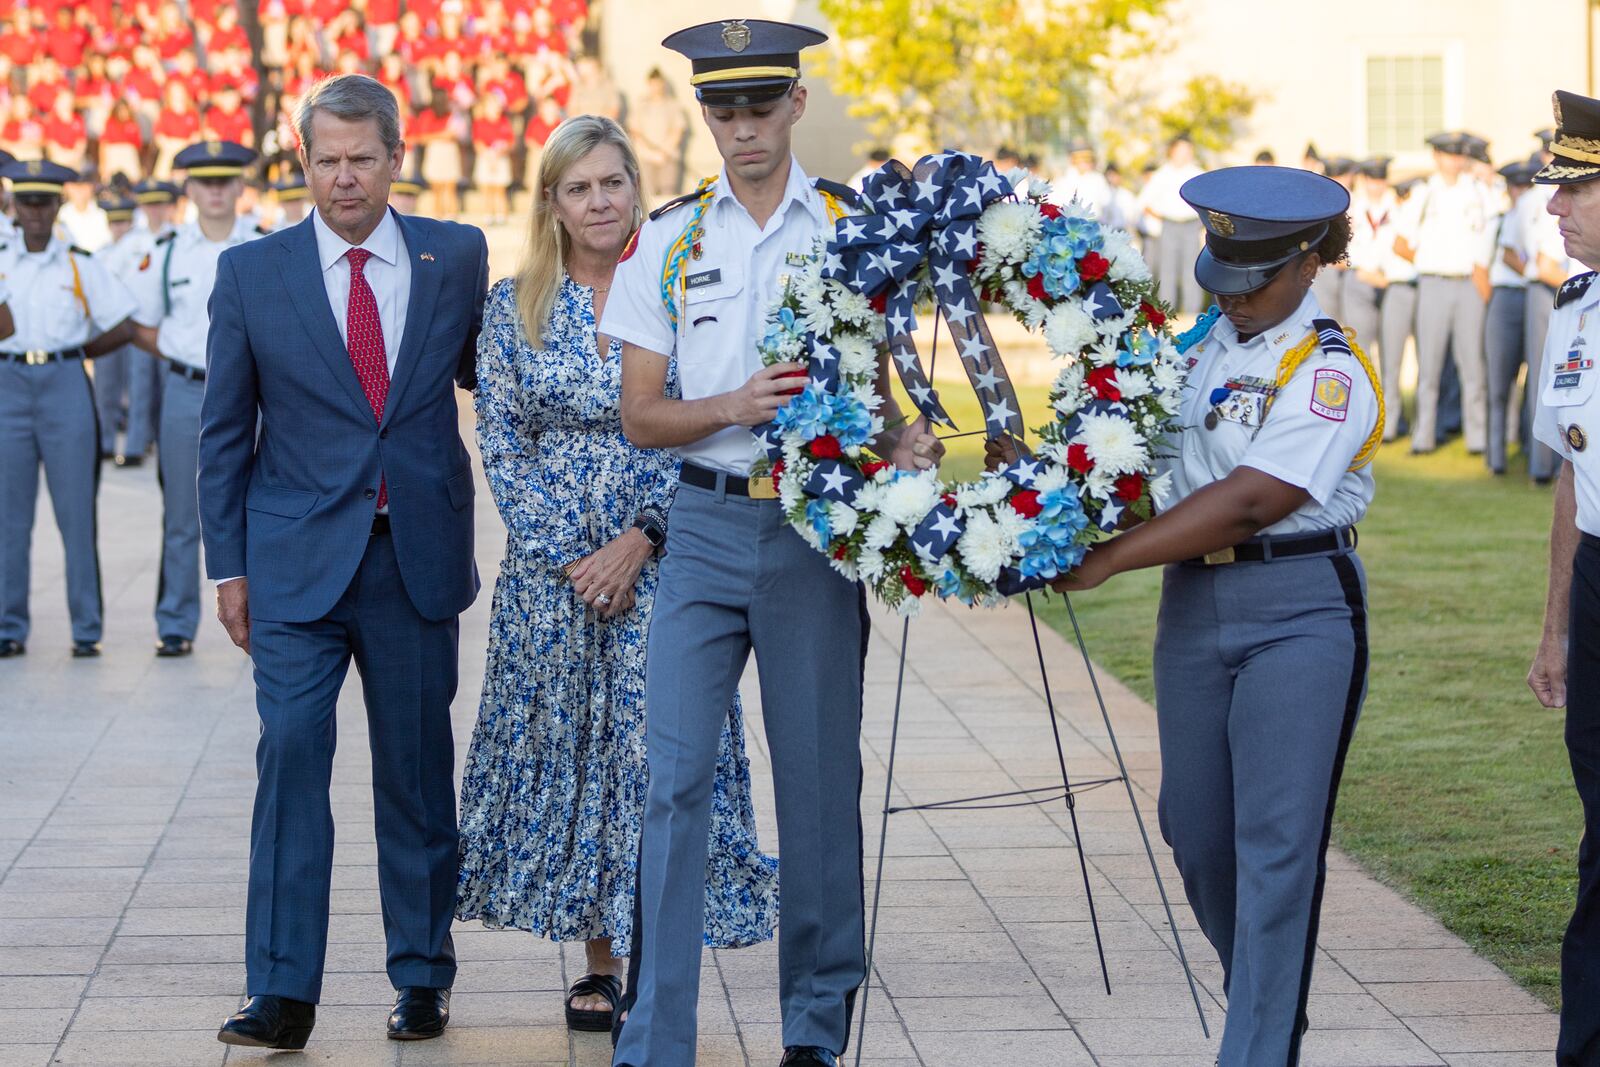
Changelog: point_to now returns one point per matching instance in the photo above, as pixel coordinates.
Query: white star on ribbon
(834, 480)
(1111, 513)
(924, 553)
(946, 276)
(991, 182)
(889, 257)
(972, 346)
(887, 230)
(904, 218)
(832, 263)
(820, 384)
(987, 380)
(975, 196)
(851, 230)
(945, 525)
(957, 313)
(967, 243)
(1001, 412)
(928, 189)
(906, 357)
(898, 324)
(1092, 305)
(921, 394)
(822, 353)
(1026, 471)
(764, 440)
(892, 193)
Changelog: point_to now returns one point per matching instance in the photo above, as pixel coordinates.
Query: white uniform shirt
(722, 310)
(1160, 193)
(181, 313)
(1510, 236)
(388, 272)
(1309, 437)
(1543, 233)
(1402, 223)
(1452, 226)
(45, 300)
(1372, 231)
(1089, 188)
(88, 228)
(1568, 416)
(121, 257)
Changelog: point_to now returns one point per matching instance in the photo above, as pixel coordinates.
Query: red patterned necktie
(364, 338)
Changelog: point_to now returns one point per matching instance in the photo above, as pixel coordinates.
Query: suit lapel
(302, 274)
(426, 276)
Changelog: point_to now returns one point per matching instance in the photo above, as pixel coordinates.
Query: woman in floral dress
(554, 787)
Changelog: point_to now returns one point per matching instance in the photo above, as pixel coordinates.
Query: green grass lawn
(1457, 789)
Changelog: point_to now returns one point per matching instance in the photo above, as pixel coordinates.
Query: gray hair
(354, 98)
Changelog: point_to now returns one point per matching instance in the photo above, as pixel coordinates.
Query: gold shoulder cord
(1301, 352)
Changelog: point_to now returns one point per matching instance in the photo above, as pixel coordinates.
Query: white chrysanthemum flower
(1012, 523)
(985, 547)
(850, 306)
(882, 531)
(869, 496)
(1117, 325)
(1099, 483)
(1103, 353)
(870, 564)
(817, 318)
(1160, 488)
(857, 356)
(845, 567)
(1068, 329)
(1126, 262)
(1053, 477)
(908, 607)
(842, 518)
(1132, 383)
(1008, 230)
(1038, 188)
(909, 498)
(1114, 444)
(1055, 452)
(1167, 376)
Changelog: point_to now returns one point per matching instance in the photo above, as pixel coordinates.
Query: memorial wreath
(950, 235)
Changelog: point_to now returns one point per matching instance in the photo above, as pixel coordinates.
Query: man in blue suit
(342, 530)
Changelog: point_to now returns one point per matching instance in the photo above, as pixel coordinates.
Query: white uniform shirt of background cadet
(1160, 193)
(121, 258)
(722, 312)
(388, 272)
(182, 314)
(1402, 223)
(1543, 234)
(1088, 187)
(1371, 231)
(1450, 223)
(1303, 441)
(45, 303)
(1568, 418)
(1509, 235)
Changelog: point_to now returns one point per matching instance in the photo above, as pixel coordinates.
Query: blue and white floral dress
(554, 787)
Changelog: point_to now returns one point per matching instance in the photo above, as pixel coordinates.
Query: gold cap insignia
(1576, 438)
(1221, 223)
(213, 149)
(736, 35)
(35, 168)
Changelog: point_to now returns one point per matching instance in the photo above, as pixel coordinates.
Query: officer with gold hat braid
(68, 309)
(1566, 669)
(695, 285)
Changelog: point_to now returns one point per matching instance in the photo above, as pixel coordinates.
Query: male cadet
(737, 577)
(1328, 287)
(1362, 282)
(67, 309)
(1083, 181)
(158, 209)
(1448, 220)
(1566, 669)
(173, 288)
(121, 258)
(1505, 323)
(293, 200)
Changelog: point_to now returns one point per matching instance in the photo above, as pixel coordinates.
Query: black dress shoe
(174, 646)
(419, 1013)
(809, 1056)
(9, 648)
(270, 1022)
(85, 649)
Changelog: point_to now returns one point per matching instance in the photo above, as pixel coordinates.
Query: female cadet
(1261, 645)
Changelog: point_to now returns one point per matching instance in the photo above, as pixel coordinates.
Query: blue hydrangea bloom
(1140, 350)
(819, 518)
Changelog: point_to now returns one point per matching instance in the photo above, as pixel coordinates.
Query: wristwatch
(652, 524)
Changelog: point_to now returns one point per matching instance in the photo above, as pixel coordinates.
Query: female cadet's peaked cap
(1256, 220)
(743, 62)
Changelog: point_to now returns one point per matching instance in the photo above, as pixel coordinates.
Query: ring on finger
(604, 600)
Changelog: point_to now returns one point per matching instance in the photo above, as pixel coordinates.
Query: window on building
(1405, 102)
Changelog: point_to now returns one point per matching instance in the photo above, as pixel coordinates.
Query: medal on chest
(1569, 372)
(1243, 400)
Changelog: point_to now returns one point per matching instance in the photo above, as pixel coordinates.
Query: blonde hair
(544, 260)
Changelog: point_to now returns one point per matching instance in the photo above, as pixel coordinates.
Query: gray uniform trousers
(111, 396)
(1361, 307)
(1328, 288)
(1504, 334)
(1397, 318)
(736, 578)
(47, 416)
(178, 594)
(1449, 320)
(1543, 463)
(1180, 243)
(1260, 671)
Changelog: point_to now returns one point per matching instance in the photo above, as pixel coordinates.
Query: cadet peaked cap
(1257, 219)
(214, 159)
(1576, 145)
(1520, 172)
(1477, 148)
(118, 208)
(1452, 143)
(294, 188)
(1377, 167)
(406, 186)
(1339, 166)
(37, 176)
(154, 192)
(743, 62)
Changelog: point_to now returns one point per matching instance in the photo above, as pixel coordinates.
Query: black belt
(38, 357)
(380, 524)
(1268, 549)
(186, 372)
(732, 484)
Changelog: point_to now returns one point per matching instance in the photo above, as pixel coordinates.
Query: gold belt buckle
(1222, 555)
(761, 487)
(36, 357)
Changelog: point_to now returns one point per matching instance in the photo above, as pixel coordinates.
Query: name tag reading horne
(703, 279)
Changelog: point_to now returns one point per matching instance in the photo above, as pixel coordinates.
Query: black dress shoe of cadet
(270, 1022)
(10, 647)
(419, 1013)
(174, 646)
(809, 1056)
(85, 649)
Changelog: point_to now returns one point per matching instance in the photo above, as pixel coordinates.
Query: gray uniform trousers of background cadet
(47, 416)
(110, 396)
(1397, 319)
(178, 594)
(1449, 319)
(1260, 671)
(1360, 307)
(1504, 334)
(736, 577)
(1180, 243)
(1328, 288)
(1541, 300)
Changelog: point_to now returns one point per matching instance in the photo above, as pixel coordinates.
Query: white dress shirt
(59, 299)
(1453, 225)
(181, 312)
(1160, 193)
(388, 272)
(1568, 415)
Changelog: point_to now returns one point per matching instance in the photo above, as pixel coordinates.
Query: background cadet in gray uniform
(1398, 315)
(121, 259)
(1261, 647)
(67, 308)
(1548, 267)
(1505, 325)
(736, 578)
(1329, 285)
(1175, 222)
(1450, 221)
(1362, 281)
(158, 204)
(173, 288)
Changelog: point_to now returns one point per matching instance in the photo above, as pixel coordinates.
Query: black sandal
(593, 985)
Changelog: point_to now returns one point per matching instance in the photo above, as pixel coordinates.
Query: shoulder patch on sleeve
(631, 247)
(1330, 394)
(75, 250)
(839, 189)
(1573, 288)
(674, 203)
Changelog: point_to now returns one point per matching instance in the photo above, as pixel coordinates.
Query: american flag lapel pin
(426, 257)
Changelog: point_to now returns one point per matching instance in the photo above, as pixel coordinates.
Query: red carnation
(880, 303)
(872, 467)
(1102, 382)
(1152, 314)
(1078, 459)
(1049, 210)
(842, 550)
(826, 447)
(1130, 487)
(1026, 503)
(949, 498)
(914, 585)
(777, 469)
(1036, 288)
(1093, 267)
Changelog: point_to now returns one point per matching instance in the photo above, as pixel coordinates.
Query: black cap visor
(751, 93)
(1234, 268)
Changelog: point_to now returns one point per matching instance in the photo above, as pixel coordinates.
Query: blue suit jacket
(291, 508)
